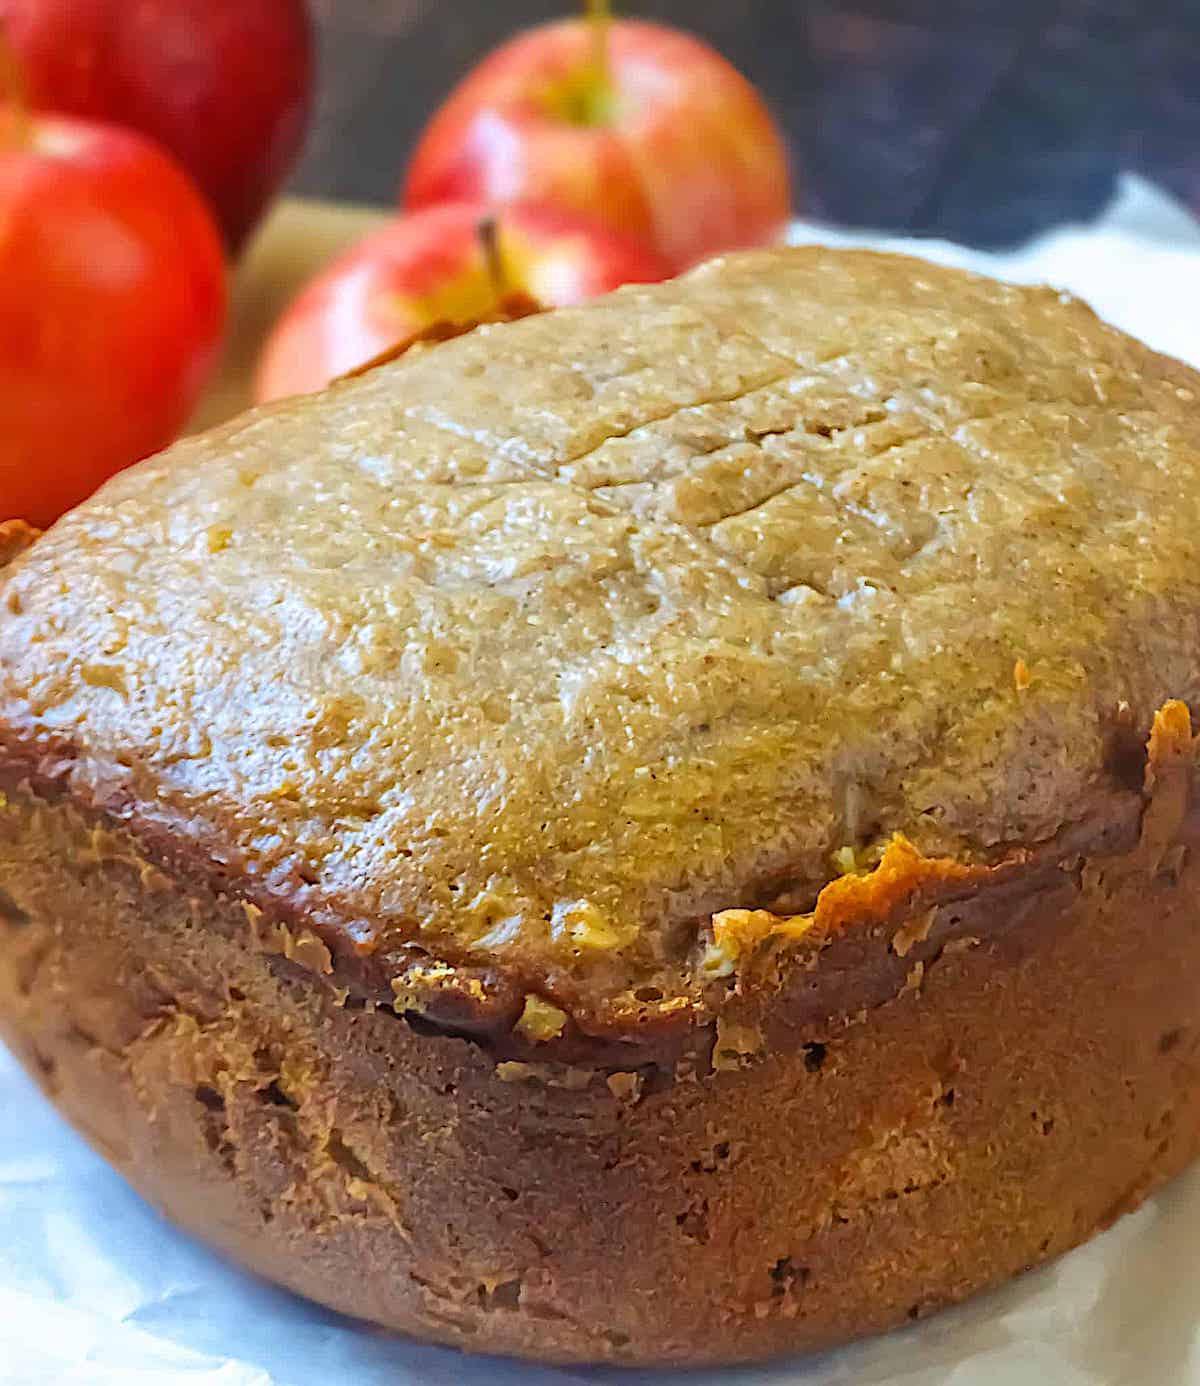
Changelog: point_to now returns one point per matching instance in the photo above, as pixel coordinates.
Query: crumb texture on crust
(543, 646)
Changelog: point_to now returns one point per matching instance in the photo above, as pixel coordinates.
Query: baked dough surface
(539, 648)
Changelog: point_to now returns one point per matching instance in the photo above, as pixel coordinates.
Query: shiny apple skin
(690, 160)
(223, 85)
(429, 266)
(112, 305)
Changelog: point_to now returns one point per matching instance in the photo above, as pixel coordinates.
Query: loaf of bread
(659, 832)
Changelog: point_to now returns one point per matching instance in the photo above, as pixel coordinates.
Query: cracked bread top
(533, 650)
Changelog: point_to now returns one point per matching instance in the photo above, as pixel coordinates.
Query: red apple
(643, 127)
(433, 267)
(224, 85)
(112, 302)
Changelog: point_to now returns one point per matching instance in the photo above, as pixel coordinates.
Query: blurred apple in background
(642, 127)
(224, 85)
(433, 267)
(112, 303)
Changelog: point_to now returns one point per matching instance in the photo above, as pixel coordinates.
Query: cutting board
(299, 238)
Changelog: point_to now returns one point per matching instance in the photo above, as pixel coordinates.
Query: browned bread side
(793, 1179)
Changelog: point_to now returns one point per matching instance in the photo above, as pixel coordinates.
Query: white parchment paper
(97, 1290)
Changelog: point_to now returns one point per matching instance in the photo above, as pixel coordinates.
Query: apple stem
(13, 94)
(599, 18)
(488, 231)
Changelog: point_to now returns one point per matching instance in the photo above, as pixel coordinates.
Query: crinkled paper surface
(97, 1290)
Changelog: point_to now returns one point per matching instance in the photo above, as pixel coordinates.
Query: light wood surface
(297, 240)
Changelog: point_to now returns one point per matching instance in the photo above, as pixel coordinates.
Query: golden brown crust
(531, 652)
(943, 1098)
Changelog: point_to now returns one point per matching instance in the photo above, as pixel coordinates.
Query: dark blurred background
(980, 120)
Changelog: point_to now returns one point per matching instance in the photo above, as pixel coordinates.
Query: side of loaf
(660, 832)
(878, 1147)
